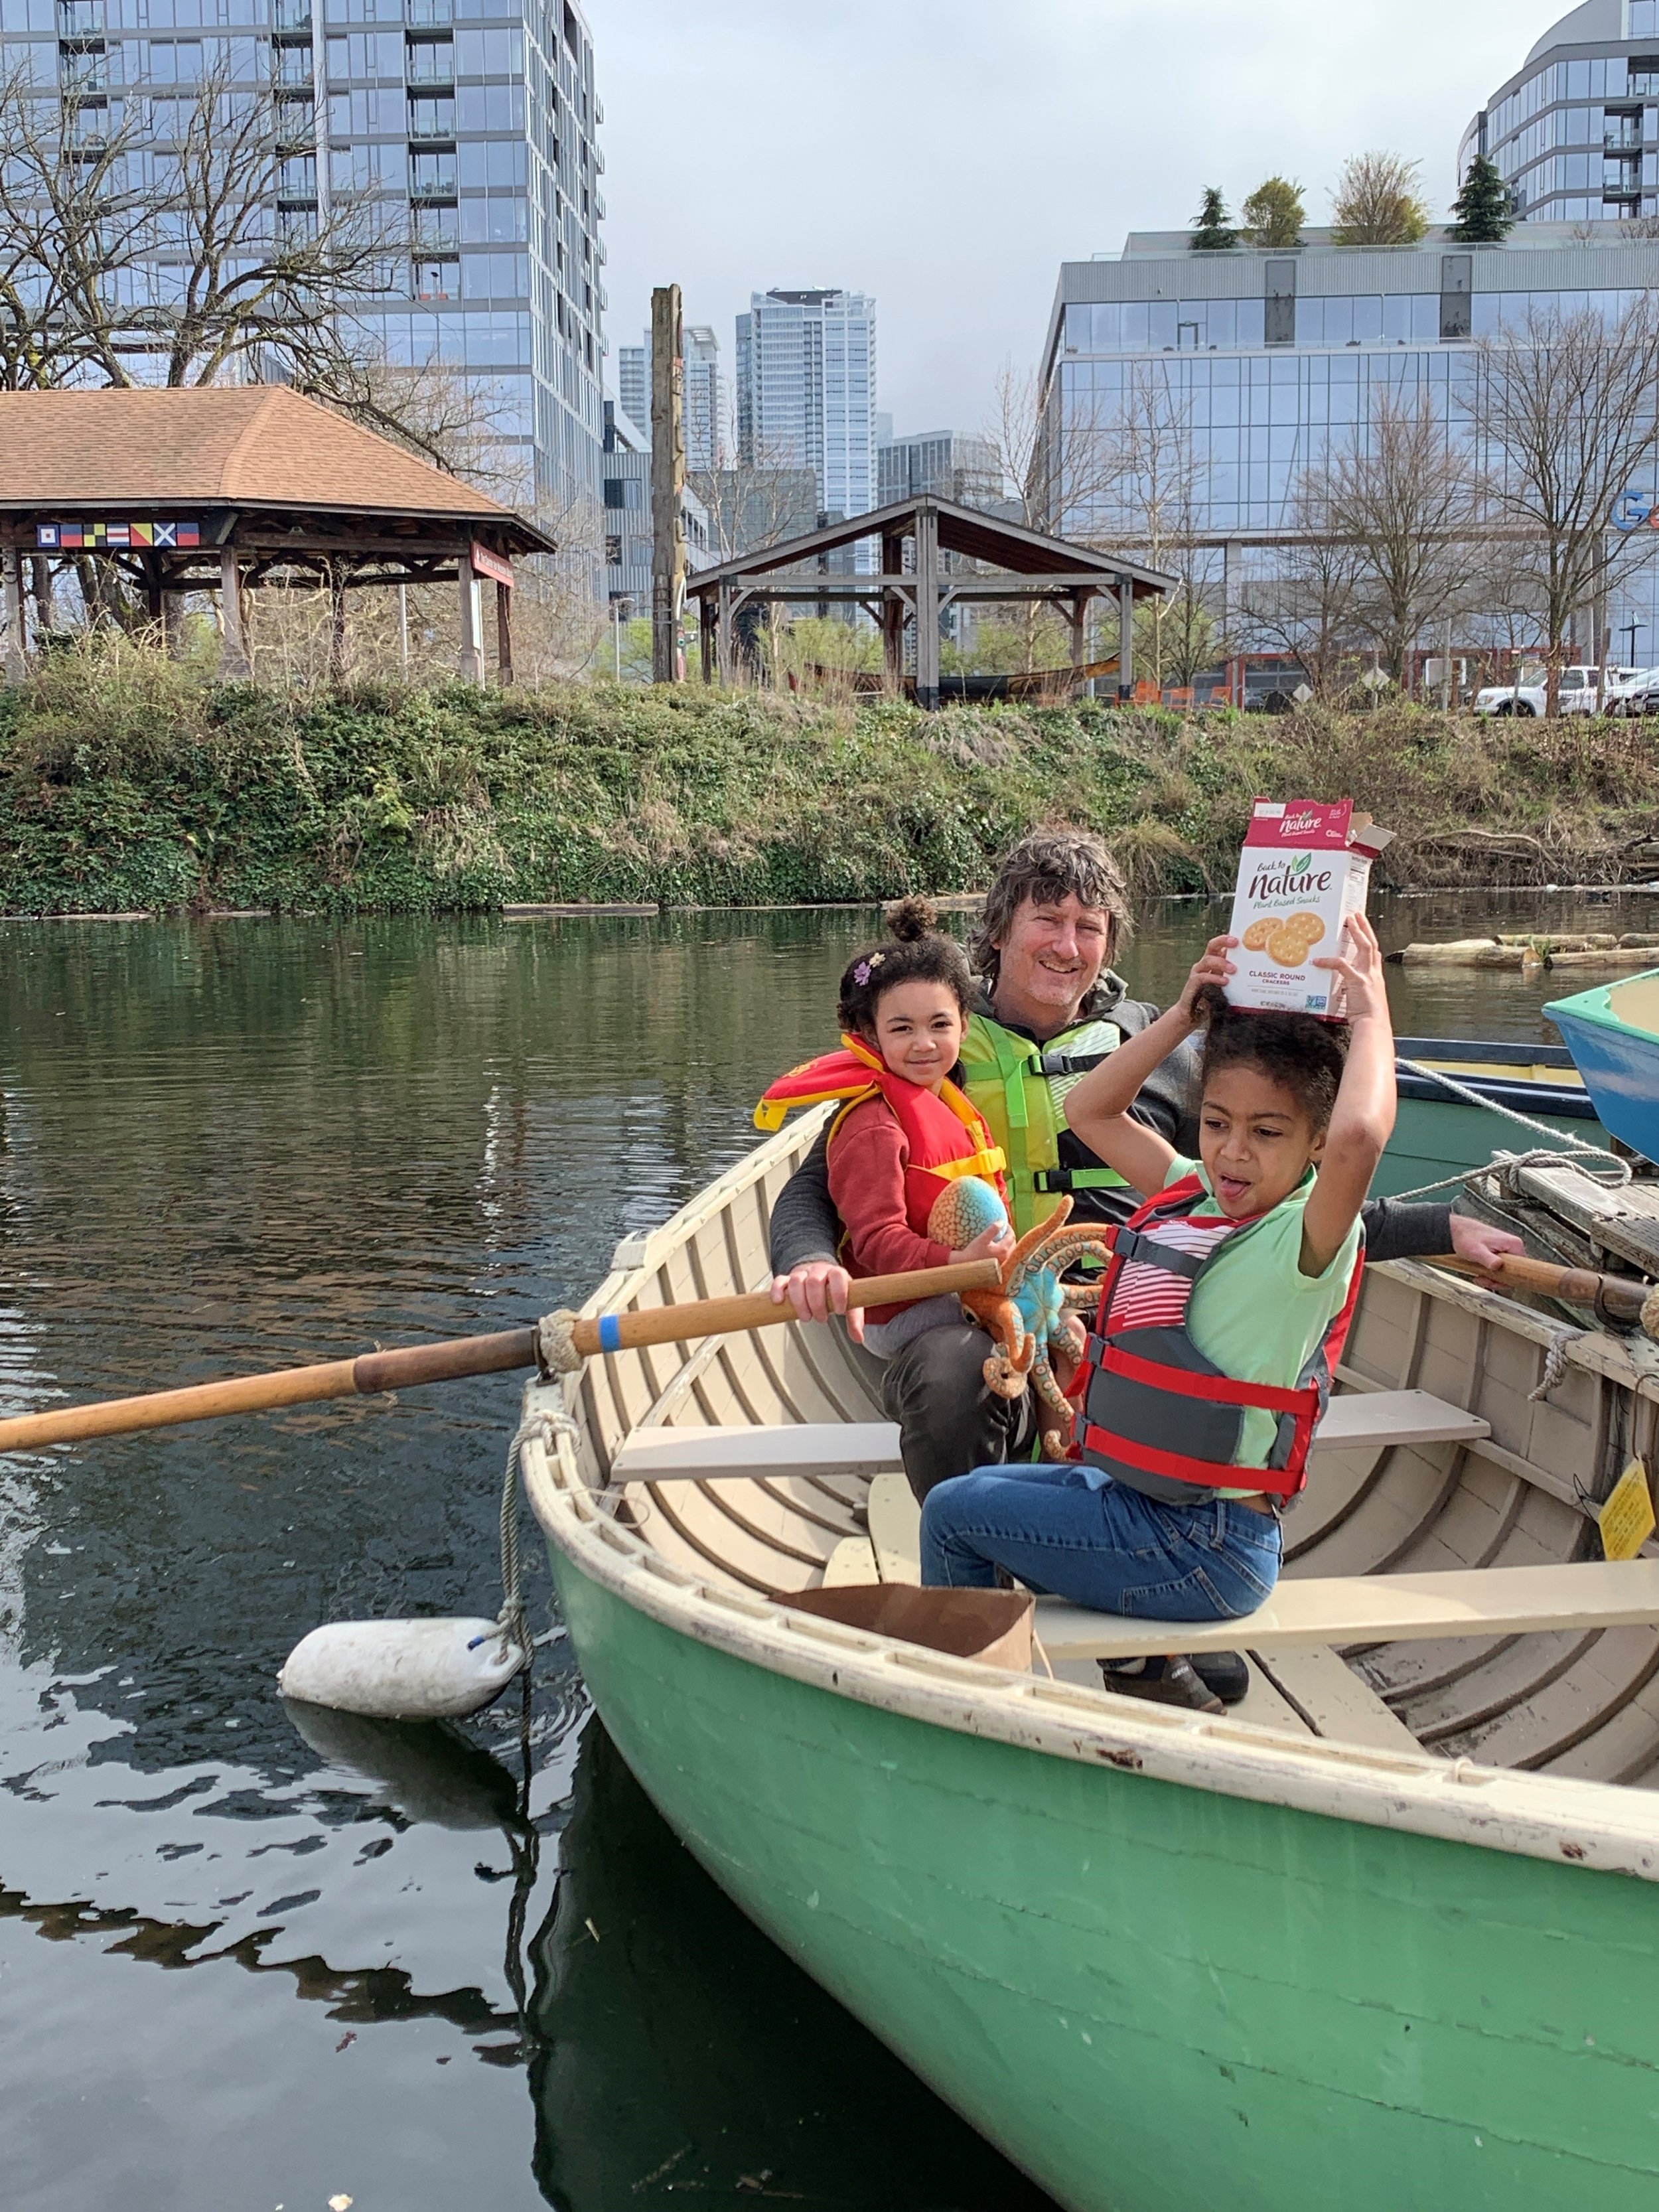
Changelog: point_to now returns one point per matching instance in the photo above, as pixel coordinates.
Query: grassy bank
(125, 783)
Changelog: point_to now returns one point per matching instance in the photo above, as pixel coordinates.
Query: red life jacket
(1157, 1414)
(947, 1136)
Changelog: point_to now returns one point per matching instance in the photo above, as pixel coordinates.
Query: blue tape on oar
(609, 1332)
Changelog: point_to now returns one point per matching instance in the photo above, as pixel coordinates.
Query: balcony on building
(80, 22)
(436, 276)
(432, 177)
(431, 62)
(432, 117)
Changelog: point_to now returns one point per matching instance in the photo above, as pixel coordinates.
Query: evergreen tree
(1484, 210)
(1213, 233)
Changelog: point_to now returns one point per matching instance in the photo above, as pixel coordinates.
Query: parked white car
(1632, 693)
(1581, 694)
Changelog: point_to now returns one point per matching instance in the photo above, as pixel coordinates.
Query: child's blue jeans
(1113, 1549)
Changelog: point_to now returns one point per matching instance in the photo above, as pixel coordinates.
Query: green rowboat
(1386, 1936)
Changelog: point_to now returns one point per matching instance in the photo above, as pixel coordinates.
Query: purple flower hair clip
(863, 972)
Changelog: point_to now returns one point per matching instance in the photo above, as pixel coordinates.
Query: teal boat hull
(1613, 1034)
(1156, 1998)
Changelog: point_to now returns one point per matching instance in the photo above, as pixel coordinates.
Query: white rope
(556, 1342)
(1563, 1150)
(1555, 1363)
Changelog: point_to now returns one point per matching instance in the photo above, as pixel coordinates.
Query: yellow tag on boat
(1627, 1518)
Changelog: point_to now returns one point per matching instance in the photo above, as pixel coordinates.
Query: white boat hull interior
(763, 1463)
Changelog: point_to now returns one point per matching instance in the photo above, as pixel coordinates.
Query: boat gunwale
(1599, 1826)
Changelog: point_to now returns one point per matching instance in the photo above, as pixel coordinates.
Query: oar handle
(757, 1309)
(1578, 1287)
(402, 1369)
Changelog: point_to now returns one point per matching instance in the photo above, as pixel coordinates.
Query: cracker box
(1303, 872)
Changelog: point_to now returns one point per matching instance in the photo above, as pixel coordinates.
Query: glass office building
(1252, 364)
(955, 466)
(1574, 132)
(470, 123)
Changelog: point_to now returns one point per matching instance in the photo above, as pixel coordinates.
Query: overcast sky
(948, 154)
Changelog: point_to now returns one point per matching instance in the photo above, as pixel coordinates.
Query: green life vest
(1020, 1086)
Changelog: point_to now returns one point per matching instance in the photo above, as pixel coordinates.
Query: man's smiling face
(1049, 961)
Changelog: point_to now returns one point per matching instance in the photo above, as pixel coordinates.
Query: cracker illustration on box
(1303, 872)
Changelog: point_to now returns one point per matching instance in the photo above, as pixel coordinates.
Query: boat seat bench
(1361, 1420)
(1379, 1609)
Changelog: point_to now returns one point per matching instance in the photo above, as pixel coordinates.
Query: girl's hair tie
(861, 974)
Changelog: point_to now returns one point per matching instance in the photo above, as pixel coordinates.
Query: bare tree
(1061, 451)
(1307, 605)
(169, 259)
(1155, 482)
(1400, 491)
(1378, 201)
(70, 231)
(1564, 413)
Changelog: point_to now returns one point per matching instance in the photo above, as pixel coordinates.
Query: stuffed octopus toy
(1030, 1316)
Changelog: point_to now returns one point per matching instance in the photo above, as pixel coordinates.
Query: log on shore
(1465, 952)
(1619, 956)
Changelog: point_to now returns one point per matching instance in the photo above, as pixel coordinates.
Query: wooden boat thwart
(1387, 1935)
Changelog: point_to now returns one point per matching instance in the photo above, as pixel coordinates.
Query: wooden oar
(371, 1372)
(1578, 1287)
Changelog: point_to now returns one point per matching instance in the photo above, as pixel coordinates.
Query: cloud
(947, 157)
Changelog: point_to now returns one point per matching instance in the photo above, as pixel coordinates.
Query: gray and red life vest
(1154, 1412)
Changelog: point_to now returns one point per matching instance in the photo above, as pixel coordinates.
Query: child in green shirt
(1209, 1364)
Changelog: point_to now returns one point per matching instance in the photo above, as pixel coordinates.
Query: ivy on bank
(128, 782)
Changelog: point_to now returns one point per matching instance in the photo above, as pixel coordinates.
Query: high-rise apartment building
(703, 389)
(1574, 131)
(956, 466)
(806, 391)
(469, 126)
(634, 382)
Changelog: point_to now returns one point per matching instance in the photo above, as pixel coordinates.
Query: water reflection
(676, 2054)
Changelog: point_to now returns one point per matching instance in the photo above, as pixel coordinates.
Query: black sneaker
(1224, 1671)
(1169, 1681)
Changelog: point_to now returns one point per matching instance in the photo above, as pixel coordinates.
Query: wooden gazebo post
(470, 667)
(892, 613)
(926, 605)
(233, 661)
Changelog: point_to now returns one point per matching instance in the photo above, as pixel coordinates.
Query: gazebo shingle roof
(247, 446)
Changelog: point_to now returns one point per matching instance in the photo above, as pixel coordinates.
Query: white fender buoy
(402, 1670)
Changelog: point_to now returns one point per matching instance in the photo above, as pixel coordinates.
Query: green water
(244, 1967)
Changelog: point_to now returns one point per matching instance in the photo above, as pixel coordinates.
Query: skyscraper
(806, 391)
(474, 139)
(704, 391)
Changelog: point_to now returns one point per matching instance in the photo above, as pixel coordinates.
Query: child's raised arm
(1362, 1120)
(1098, 1108)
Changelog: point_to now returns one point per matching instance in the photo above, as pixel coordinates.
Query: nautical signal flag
(108, 537)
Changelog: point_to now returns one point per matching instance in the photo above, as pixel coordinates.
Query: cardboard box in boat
(1304, 871)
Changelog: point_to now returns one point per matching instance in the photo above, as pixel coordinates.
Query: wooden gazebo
(1012, 564)
(230, 489)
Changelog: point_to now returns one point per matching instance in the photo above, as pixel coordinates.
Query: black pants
(950, 1420)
